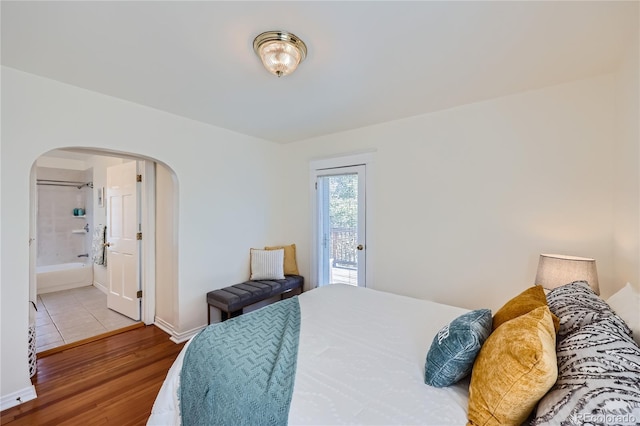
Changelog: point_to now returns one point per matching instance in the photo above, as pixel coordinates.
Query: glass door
(341, 246)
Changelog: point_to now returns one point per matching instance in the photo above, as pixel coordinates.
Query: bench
(233, 299)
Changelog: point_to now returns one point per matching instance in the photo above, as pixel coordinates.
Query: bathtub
(63, 276)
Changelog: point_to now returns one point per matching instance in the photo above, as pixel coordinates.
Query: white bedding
(360, 361)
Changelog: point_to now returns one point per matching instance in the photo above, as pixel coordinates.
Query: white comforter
(360, 361)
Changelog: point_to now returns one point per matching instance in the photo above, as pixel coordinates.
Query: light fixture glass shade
(555, 270)
(280, 52)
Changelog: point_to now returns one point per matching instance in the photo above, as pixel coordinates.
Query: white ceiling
(368, 61)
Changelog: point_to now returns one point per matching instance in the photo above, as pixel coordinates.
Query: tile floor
(71, 315)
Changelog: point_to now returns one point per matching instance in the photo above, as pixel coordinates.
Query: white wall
(61, 163)
(166, 248)
(466, 199)
(626, 236)
(229, 198)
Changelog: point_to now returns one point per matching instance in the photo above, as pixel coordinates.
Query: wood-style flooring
(111, 381)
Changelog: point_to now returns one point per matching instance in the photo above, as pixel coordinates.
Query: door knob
(107, 244)
(360, 247)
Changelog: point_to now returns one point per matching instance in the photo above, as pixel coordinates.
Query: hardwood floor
(114, 380)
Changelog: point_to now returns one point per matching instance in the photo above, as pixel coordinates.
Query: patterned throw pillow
(454, 348)
(267, 264)
(598, 378)
(577, 305)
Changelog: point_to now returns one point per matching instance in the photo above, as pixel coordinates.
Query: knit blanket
(241, 371)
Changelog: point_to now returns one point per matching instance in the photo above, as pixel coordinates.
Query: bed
(543, 359)
(360, 360)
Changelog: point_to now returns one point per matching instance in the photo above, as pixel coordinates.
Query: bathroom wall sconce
(280, 52)
(555, 270)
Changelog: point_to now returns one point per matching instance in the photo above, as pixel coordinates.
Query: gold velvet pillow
(290, 264)
(514, 369)
(523, 303)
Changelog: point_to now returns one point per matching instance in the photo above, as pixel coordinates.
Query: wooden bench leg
(226, 315)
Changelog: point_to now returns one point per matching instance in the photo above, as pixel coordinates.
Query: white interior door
(122, 244)
(341, 225)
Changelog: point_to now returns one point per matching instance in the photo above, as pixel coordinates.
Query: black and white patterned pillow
(598, 378)
(576, 305)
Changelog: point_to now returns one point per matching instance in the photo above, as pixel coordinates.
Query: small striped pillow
(267, 264)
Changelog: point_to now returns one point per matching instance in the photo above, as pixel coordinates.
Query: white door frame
(33, 242)
(322, 210)
(148, 248)
(366, 159)
(147, 252)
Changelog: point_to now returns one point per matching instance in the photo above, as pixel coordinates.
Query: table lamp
(555, 270)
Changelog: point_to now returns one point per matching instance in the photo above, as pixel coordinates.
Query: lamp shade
(555, 270)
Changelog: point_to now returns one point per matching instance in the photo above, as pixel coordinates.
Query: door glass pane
(340, 228)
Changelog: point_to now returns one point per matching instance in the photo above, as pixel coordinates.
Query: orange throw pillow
(523, 303)
(515, 368)
(290, 263)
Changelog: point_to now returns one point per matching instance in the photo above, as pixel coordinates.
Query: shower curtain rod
(50, 182)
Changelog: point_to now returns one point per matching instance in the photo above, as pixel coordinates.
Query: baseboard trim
(18, 397)
(175, 336)
(101, 287)
(183, 337)
(164, 326)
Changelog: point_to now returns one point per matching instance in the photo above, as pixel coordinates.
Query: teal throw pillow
(455, 347)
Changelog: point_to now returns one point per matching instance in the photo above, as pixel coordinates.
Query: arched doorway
(54, 246)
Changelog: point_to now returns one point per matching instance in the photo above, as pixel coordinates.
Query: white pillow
(267, 264)
(626, 303)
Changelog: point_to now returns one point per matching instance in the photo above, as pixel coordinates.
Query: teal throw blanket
(241, 371)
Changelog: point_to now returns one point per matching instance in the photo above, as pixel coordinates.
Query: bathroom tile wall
(57, 243)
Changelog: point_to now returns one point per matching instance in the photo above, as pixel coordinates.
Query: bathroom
(63, 227)
(70, 268)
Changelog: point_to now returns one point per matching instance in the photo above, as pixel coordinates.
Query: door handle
(360, 247)
(107, 244)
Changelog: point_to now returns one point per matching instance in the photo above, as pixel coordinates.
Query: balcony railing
(343, 248)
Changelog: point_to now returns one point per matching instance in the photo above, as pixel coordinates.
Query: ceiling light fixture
(280, 52)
